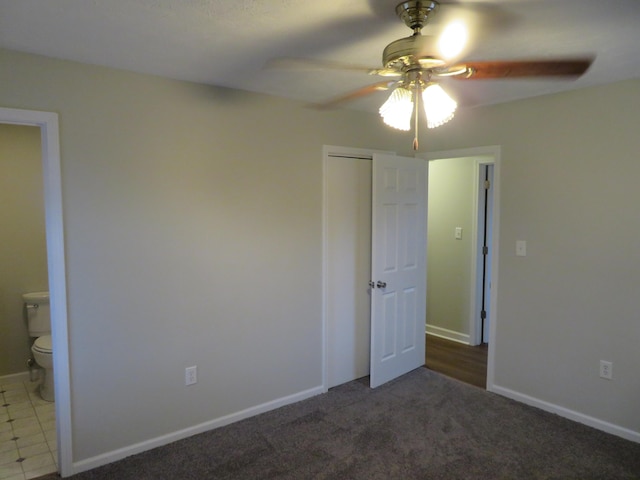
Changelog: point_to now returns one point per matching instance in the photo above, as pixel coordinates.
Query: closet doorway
(374, 226)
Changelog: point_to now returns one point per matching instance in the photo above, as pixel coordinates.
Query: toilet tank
(38, 313)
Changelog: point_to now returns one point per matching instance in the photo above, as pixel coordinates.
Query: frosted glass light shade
(397, 110)
(438, 105)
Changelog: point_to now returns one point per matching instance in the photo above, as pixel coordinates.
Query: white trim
(329, 150)
(134, 449)
(495, 249)
(568, 413)
(48, 123)
(447, 334)
(492, 151)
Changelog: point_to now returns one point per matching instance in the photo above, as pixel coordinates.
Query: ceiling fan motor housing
(411, 52)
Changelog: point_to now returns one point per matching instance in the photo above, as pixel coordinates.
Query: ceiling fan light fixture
(398, 109)
(439, 107)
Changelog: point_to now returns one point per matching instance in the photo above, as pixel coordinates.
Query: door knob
(381, 284)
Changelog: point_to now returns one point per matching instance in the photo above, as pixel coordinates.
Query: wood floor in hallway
(463, 362)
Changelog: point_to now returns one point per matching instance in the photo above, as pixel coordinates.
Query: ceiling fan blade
(354, 95)
(290, 63)
(519, 69)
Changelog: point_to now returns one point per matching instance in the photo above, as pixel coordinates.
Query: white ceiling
(227, 42)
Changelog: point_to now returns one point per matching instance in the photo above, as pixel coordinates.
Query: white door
(398, 266)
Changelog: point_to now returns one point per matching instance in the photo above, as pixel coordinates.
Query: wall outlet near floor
(606, 369)
(191, 375)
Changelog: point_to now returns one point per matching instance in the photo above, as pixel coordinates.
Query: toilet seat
(43, 344)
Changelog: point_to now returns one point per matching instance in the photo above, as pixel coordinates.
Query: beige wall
(451, 202)
(23, 256)
(193, 236)
(569, 173)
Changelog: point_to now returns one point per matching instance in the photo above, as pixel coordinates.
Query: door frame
(485, 154)
(54, 227)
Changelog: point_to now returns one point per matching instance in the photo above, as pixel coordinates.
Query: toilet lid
(43, 344)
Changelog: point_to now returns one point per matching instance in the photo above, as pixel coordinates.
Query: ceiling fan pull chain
(416, 109)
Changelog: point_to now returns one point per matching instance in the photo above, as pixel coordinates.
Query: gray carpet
(420, 426)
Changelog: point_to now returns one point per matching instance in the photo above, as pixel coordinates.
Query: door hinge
(483, 314)
(487, 184)
(485, 250)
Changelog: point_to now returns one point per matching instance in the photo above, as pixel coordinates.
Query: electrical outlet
(606, 369)
(191, 375)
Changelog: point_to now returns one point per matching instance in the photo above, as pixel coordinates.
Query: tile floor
(27, 433)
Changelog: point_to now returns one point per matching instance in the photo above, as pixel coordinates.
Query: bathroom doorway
(23, 256)
(31, 447)
(46, 125)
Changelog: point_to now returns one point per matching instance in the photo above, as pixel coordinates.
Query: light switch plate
(458, 233)
(521, 248)
(191, 375)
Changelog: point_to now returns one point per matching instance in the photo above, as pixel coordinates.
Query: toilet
(39, 326)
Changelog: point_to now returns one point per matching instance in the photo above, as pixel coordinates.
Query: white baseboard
(121, 453)
(15, 378)
(567, 413)
(447, 334)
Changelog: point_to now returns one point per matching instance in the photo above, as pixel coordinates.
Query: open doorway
(460, 287)
(47, 123)
(346, 191)
(28, 443)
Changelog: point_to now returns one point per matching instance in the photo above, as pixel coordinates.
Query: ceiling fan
(412, 65)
